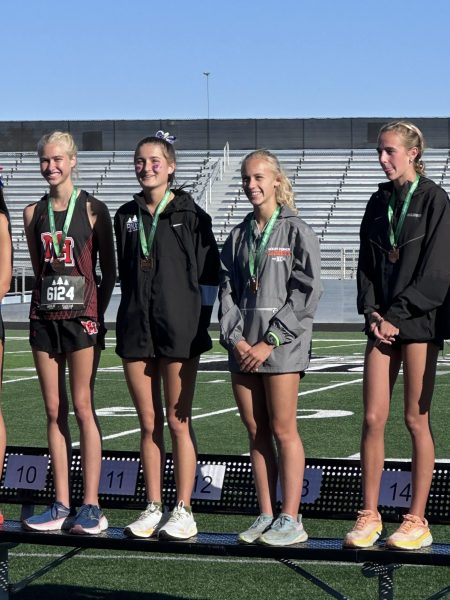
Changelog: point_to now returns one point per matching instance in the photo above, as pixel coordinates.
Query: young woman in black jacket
(403, 278)
(169, 269)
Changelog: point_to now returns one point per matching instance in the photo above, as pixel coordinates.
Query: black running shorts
(63, 336)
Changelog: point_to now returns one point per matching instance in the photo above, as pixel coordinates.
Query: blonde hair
(412, 138)
(284, 194)
(62, 138)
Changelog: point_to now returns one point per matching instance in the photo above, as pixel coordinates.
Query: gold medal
(147, 263)
(58, 265)
(394, 255)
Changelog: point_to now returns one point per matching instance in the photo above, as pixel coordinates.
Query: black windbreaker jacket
(409, 292)
(166, 311)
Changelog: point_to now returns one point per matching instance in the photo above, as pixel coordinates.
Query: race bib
(62, 292)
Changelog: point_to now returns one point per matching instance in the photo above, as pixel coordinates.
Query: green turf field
(329, 417)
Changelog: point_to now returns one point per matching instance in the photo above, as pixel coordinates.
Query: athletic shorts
(64, 335)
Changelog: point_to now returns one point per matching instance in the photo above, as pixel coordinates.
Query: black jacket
(166, 311)
(409, 292)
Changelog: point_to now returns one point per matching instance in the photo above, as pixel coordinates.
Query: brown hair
(167, 149)
(412, 138)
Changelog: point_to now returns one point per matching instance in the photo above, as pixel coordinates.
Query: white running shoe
(257, 528)
(180, 526)
(147, 522)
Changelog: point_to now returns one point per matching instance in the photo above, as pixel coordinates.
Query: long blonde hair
(284, 194)
(412, 138)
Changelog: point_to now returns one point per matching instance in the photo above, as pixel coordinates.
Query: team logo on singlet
(67, 250)
(132, 224)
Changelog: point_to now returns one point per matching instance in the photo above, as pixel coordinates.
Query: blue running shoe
(51, 519)
(89, 519)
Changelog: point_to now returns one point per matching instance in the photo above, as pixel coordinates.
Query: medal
(147, 263)
(58, 265)
(256, 251)
(393, 255)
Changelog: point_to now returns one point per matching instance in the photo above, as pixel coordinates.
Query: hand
(387, 331)
(240, 350)
(255, 356)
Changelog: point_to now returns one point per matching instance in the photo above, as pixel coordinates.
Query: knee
(84, 413)
(150, 426)
(417, 424)
(374, 422)
(178, 427)
(56, 412)
(284, 434)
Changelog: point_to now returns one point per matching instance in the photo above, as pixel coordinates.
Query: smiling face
(56, 164)
(260, 182)
(396, 160)
(152, 167)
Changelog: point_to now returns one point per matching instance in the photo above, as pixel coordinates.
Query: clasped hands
(383, 330)
(250, 358)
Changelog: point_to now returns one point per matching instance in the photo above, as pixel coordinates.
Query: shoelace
(280, 522)
(148, 511)
(361, 521)
(409, 521)
(87, 510)
(259, 521)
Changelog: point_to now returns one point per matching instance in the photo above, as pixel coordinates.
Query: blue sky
(145, 59)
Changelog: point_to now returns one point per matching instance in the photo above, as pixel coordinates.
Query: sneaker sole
(243, 540)
(129, 532)
(422, 542)
(49, 526)
(165, 535)
(367, 542)
(80, 530)
(298, 540)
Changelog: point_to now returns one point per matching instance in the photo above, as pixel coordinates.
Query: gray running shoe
(250, 535)
(284, 531)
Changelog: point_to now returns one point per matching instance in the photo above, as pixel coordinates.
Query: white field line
(330, 387)
(167, 558)
(132, 431)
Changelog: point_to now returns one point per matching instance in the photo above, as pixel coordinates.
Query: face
(259, 182)
(395, 159)
(151, 167)
(56, 165)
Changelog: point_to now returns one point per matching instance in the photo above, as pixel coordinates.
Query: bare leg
(81, 372)
(2, 421)
(144, 385)
(282, 399)
(250, 398)
(51, 373)
(381, 367)
(419, 362)
(179, 386)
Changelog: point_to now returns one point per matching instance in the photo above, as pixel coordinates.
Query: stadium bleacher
(331, 189)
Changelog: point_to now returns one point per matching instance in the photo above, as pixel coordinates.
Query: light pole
(207, 74)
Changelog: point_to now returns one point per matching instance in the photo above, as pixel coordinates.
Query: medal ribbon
(146, 245)
(68, 219)
(254, 258)
(394, 235)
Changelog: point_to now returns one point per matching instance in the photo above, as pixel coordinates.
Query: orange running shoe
(412, 534)
(366, 531)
